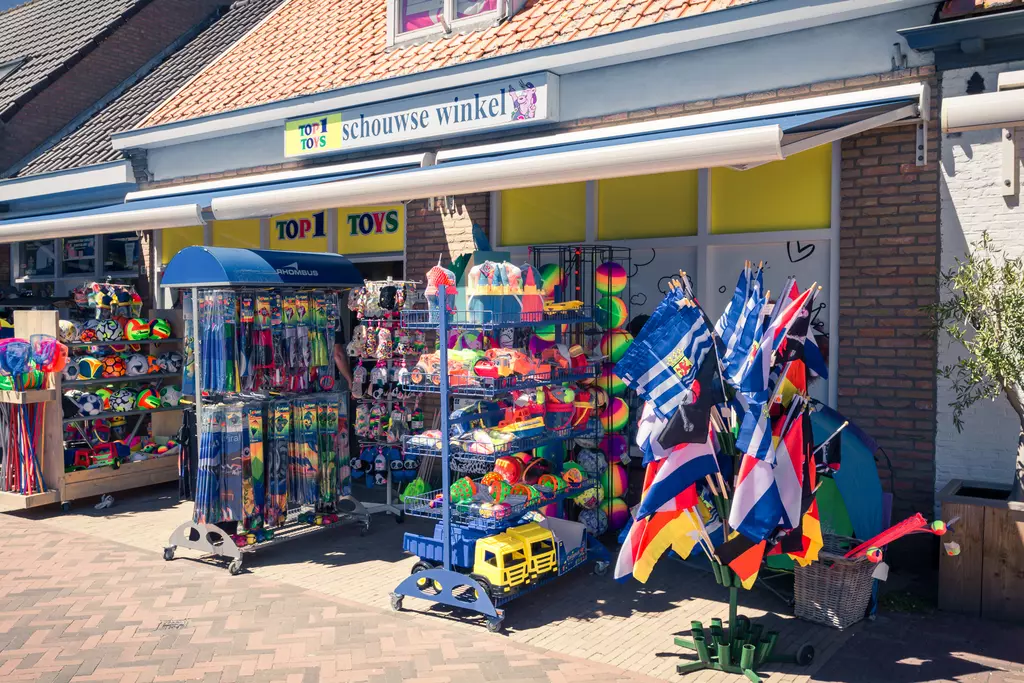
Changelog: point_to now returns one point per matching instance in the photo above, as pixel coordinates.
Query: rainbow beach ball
(618, 514)
(610, 278)
(614, 344)
(614, 481)
(615, 415)
(609, 381)
(614, 446)
(551, 276)
(610, 312)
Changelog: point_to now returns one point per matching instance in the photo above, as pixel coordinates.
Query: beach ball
(596, 521)
(615, 415)
(610, 278)
(614, 446)
(104, 394)
(614, 481)
(592, 462)
(551, 275)
(67, 331)
(610, 312)
(89, 367)
(147, 399)
(618, 514)
(122, 400)
(609, 381)
(108, 330)
(614, 344)
(136, 364)
(159, 329)
(114, 366)
(136, 329)
(171, 396)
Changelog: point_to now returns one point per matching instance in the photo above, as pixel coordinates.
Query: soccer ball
(170, 395)
(170, 361)
(137, 364)
(108, 330)
(89, 367)
(104, 393)
(114, 366)
(70, 372)
(88, 404)
(153, 365)
(159, 329)
(136, 329)
(67, 331)
(147, 400)
(122, 400)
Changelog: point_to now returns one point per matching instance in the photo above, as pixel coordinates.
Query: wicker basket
(834, 590)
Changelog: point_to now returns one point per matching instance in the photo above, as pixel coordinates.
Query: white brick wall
(971, 203)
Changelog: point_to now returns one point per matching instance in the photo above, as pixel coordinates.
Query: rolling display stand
(437, 577)
(206, 268)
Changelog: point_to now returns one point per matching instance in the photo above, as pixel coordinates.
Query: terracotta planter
(987, 578)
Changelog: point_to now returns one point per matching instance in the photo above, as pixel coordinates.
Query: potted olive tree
(982, 311)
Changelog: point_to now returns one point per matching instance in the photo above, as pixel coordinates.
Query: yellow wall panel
(173, 240)
(304, 231)
(544, 215)
(794, 194)
(659, 205)
(244, 234)
(371, 229)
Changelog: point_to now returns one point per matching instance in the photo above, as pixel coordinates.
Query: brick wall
(129, 47)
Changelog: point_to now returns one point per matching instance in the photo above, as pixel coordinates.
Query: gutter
(732, 25)
(985, 39)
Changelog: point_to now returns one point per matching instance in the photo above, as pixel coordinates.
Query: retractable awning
(223, 267)
(739, 138)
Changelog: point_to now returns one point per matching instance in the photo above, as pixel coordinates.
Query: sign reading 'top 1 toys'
(526, 100)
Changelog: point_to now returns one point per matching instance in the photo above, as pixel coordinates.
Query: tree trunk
(1015, 395)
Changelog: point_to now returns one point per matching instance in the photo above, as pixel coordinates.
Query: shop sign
(299, 231)
(371, 229)
(520, 101)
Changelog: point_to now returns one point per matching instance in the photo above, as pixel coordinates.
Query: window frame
(447, 26)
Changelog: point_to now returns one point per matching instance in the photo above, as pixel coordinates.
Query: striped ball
(610, 312)
(610, 278)
(615, 415)
(609, 381)
(618, 514)
(614, 344)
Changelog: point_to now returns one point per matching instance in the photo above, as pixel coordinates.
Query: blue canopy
(224, 267)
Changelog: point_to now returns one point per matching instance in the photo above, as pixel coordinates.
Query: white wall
(853, 48)
(972, 202)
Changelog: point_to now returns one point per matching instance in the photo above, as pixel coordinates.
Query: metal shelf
(473, 516)
(118, 380)
(127, 413)
(493, 320)
(123, 342)
(490, 387)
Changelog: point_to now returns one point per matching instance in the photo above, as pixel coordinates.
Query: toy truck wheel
(805, 655)
(485, 584)
(494, 624)
(425, 585)
(600, 567)
(235, 568)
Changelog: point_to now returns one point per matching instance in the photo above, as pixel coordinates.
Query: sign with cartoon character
(524, 100)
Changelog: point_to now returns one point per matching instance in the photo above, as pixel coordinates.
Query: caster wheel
(400, 517)
(396, 602)
(235, 568)
(169, 553)
(65, 507)
(601, 568)
(805, 655)
(494, 624)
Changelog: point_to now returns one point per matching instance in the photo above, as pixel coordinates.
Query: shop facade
(851, 203)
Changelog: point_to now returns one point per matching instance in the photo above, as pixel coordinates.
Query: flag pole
(832, 436)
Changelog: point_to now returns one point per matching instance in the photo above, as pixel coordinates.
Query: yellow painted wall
(659, 205)
(283, 235)
(544, 215)
(794, 194)
(174, 240)
(244, 234)
(371, 229)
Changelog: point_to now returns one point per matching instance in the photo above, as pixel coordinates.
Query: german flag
(743, 556)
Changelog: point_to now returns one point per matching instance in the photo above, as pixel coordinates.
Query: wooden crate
(987, 578)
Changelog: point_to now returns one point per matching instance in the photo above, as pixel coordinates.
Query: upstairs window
(412, 20)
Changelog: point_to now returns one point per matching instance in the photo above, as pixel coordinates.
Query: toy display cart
(484, 555)
(273, 444)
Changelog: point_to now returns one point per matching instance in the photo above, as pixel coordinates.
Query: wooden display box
(987, 578)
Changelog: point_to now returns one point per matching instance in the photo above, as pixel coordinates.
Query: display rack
(205, 268)
(435, 577)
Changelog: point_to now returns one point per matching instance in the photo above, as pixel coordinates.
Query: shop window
(659, 205)
(174, 240)
(416, 19)
(794, 194)
(121, 252)
(306, 231)
(37, 259)
(79, 256)
(244, 234)
(551, 214)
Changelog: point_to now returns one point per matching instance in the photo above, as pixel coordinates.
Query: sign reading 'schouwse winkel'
(524, 100)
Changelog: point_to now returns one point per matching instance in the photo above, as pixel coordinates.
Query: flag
(811, 541)
(649, 428)
(750, 327)
(679, 471)
(743, 556)
(725, 327)
(691, 422)
(813, 357)
(790, 465)
(756, 506)
(793, 382)
(755, 435)
(753, 374)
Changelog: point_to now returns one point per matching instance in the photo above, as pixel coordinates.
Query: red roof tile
(312, 46)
